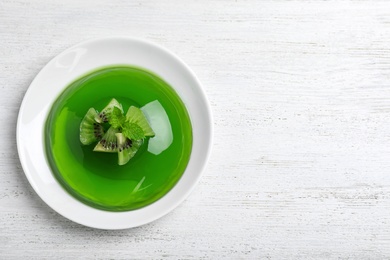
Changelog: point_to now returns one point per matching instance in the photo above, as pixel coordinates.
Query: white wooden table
(300, 92)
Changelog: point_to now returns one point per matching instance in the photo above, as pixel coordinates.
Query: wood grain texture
(300, 92)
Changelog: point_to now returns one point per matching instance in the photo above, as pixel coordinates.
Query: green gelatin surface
(96, 178)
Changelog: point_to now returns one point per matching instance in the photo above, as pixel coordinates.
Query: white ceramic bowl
(68, 66)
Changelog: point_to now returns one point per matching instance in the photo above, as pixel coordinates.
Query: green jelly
(96, 178)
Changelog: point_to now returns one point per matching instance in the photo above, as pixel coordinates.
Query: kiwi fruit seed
(136, 116)
(108, 143)
(104, 115)
(126, 148)
(90, 130)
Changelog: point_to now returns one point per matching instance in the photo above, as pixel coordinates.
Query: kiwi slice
(104, 115)
(108, 143)
(135, 115)
(126, 148)
(90, 130)
(125, 134)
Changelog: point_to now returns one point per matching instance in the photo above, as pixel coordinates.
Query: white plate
(68, 66)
